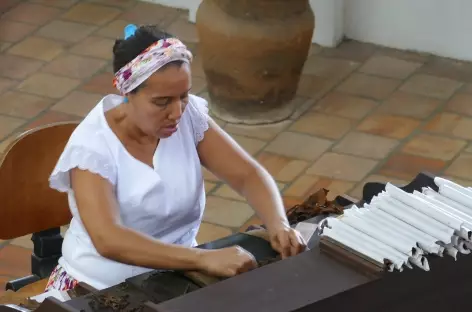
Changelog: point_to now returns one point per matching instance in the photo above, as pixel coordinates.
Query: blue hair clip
(130, 29)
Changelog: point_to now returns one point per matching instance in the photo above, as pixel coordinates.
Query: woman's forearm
(262, 193)
(128, 246)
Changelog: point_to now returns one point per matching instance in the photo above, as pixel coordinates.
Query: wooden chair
(28, 204)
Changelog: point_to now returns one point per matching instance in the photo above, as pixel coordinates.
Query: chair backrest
(27, 203)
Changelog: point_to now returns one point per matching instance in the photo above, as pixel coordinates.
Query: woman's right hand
(226, 262)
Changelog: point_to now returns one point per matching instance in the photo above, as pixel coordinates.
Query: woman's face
(159, 103)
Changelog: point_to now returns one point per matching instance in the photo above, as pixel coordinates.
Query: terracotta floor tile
(24, 241)
(95, 47)
(197, 67)
(210, 232)
(451, 124)
(37, 48)
(335, 69)
(409, 105)
(198, 84)
(74, 66)
(301, 186)
(66, 31)
(4, 45)
(56, 3)
(6, 5)
(226, 191)
(302, 105)
(254, 220)
(344, 105)
(357, 191)
(410, 56)
(395, 127)
(436, 87)
(146, 13)
(15, 261)
(448, 68)
(226, 212)
(50, 117)
(406, 167)
(314, 86)
(208, 176)
(290, 202)
(209, 186)
(282, 168)
(434, 146)
(306, 185)
(342, 167)
(48, 85)
(14, 31)
(263, 132)
(77, 103)
(365, 145)
(461, 167)
(461, 104)
(250, 145)
(351, 50)
(322, 125)
(369, 86)
(101, 84)
(6, 84)
(113, 30)
(183, 29)
(125, 4)
(298, 145)
(22, 105)
(90, 13)
(32, 13)
(389, 67)
(17, 67)
(8, 125)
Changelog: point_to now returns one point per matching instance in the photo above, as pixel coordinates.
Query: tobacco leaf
(315, 205)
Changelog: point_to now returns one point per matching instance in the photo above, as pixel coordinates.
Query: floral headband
(160, 53)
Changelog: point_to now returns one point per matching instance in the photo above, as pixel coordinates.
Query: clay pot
(253, 52)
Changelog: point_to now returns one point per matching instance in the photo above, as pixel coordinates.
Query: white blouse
(165, 203)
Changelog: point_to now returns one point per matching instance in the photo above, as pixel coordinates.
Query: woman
(132, 171)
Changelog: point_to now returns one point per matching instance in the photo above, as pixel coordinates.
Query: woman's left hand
(286, 241)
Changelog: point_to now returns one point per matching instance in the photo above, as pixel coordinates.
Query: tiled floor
(367, 113)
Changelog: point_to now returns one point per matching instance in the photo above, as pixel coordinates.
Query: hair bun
(118, 45)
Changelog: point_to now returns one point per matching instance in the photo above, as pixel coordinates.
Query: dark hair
(124, 51)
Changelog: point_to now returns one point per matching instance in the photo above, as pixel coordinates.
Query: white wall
(328, 17)
(441, 27)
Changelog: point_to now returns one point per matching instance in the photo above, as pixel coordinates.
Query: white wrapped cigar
(384, 227)
(397, 258)
(421, 262)
(448, 202)
(456, 195)
(425, 241)
(416, 219)
(350, 242)
(441, 182)
(466, 219)
(407, 247)
(423, 208)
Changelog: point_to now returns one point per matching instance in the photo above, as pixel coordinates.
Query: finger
(298, 242)
(284, 241)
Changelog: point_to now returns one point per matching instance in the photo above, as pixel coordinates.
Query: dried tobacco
(316, 204)
(107, 301)
(267, 261)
